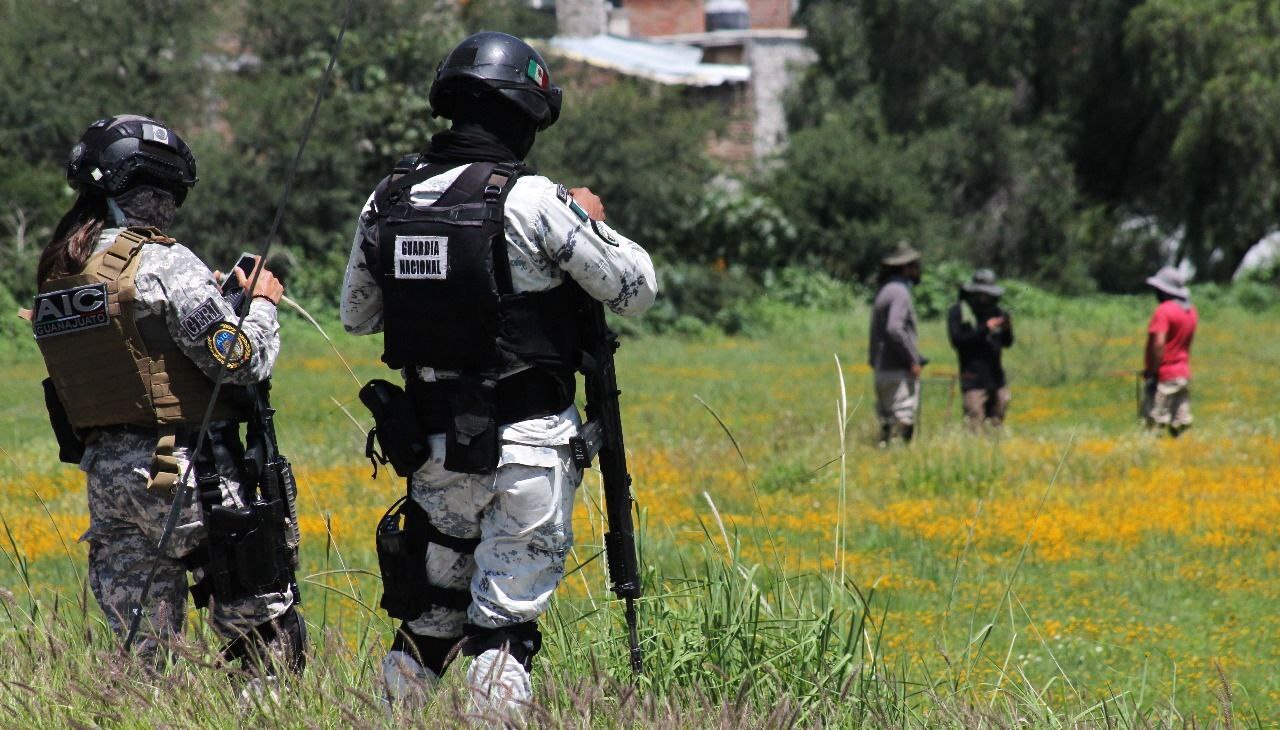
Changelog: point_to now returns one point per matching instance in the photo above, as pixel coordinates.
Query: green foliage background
(1057, 143)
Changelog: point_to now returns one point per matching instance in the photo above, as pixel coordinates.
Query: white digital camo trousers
(523, 515)
(125, 523)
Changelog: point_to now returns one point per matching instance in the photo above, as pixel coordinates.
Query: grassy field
(1074, 571)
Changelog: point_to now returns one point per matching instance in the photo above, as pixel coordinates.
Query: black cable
(183, 492)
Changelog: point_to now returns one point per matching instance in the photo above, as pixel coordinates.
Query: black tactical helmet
(499, 62)
(117, 153)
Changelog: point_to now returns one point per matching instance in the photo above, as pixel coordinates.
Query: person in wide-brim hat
(1170, 281)
(901, 255)
(980, 331)
(983, 281)
(893, 351)
(1167, 360)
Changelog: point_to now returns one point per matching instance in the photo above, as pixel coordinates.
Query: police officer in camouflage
(476, 270)
(133, 329)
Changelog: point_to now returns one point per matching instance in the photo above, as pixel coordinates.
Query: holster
(70, 447)
(471, 436)
(404, 533)
(402, 562)
(396, 428)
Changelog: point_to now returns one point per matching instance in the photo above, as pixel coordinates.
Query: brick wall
(666, 17)
(770, 13)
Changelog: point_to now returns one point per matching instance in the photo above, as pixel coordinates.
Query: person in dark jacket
(980, 331)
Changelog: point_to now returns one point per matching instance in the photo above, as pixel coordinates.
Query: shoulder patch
(604, 232)
(562, 193)
(578, 211)
(200, 319)
(229, 346)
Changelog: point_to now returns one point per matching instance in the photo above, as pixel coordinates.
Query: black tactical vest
(448, 302)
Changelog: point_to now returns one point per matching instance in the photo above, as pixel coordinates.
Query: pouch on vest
(70, 447)
(396, 428)
(471, 437)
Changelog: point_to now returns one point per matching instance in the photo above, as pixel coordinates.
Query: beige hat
(1170, 281)
(983, 281)
(901, 255)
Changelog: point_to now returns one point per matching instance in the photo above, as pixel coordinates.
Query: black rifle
(602, 435)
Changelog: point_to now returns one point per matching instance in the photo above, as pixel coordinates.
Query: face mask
(143, 206)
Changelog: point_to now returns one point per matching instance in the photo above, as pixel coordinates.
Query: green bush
(938, 288)
(811, 289)
(691, 294)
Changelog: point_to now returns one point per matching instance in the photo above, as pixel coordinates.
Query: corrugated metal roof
(666, 63)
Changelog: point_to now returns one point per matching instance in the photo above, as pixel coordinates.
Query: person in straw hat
(894, 354)
(979, 331)
(1167, 369)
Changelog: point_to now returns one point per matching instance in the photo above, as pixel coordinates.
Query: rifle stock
(602, 437)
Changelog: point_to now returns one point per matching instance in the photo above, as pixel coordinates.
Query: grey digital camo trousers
(523, 515)
(125, 523)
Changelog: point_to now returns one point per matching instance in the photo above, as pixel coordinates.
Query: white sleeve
(609, 266)
(361, 296)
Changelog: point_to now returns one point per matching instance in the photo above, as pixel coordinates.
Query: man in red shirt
(1168, 356)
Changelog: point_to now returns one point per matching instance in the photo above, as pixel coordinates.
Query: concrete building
(741, 54)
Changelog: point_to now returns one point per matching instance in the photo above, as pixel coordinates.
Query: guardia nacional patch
(229, 346)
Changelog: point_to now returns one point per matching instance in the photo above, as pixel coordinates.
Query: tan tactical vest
(110, 371)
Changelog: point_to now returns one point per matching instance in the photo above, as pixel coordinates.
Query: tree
(145, 58)
(375, 111)
(643, 150)
(1215, 66)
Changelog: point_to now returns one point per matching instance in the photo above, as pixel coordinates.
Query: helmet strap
(118, 218)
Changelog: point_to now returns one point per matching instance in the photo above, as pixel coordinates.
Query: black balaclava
(984, 307)
(146, 205)
(487, 128)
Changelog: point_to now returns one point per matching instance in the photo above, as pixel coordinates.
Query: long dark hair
(74, 239)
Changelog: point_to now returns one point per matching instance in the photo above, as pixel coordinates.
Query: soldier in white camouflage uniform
(132, 173)
(502, 530)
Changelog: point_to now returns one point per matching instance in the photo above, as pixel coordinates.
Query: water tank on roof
(728, 15)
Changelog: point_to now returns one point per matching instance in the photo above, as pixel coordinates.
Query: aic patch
(229, 346)
(70, 310)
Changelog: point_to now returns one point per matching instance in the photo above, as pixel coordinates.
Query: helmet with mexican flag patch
(492, 61)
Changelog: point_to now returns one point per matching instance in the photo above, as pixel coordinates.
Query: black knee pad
(287, 634)
(432, 652)
(522, 641)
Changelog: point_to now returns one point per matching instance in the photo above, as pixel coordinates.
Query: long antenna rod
(182, 495)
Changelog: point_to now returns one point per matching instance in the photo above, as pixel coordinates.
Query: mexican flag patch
(538, 74)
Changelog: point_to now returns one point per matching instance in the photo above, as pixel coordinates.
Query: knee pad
(431, 652)
(522, 641)
(285, 639)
